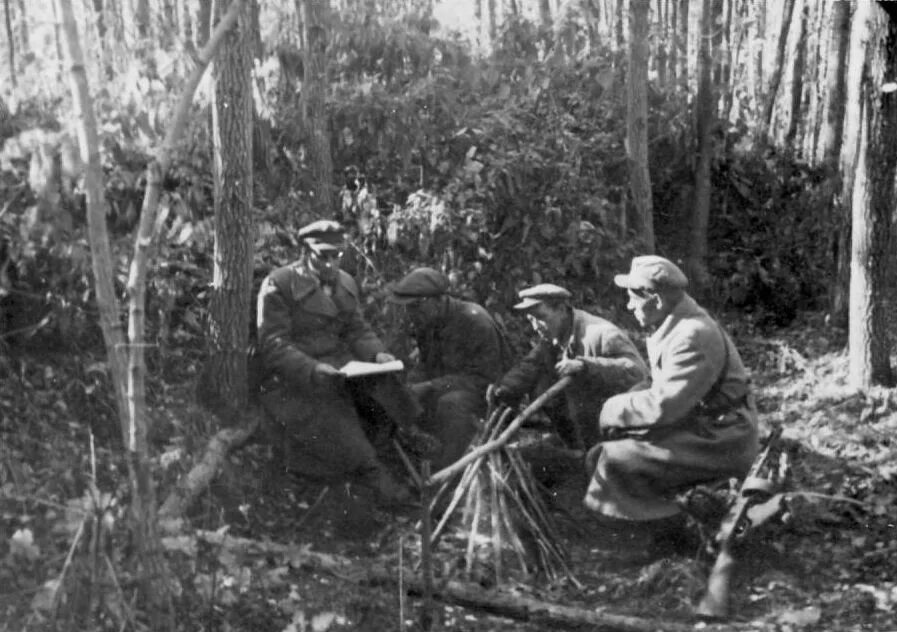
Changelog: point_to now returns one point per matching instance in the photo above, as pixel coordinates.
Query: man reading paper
(309, 325)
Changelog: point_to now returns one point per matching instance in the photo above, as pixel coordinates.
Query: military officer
(599, 356)
(462, 350)
(309, 325)
(694, 422)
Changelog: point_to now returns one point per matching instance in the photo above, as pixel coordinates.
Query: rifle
(754, 504)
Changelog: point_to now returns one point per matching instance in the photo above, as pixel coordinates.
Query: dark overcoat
(697, 419)
(612, 362)
(326, 430)
(461, 353)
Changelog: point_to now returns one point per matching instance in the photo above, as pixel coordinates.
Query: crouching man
(694, 423)
(462, 350)
(598, 355)
(309, 325)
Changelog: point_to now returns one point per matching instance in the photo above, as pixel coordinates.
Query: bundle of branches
(500, 502)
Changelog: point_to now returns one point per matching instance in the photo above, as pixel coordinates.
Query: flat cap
(419, 283)
(650, 272)
(532, 296)
(323, 234)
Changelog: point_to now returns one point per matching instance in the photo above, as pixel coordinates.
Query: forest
(159, 157)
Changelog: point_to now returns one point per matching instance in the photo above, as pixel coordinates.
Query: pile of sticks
(501, 509)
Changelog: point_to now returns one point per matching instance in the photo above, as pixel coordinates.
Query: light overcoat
(697, 419)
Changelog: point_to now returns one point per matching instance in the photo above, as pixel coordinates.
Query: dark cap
(650, 272)
(419, 283)
(323, 234)
(532, 296)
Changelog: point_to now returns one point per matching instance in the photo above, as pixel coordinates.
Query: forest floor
(291, 556)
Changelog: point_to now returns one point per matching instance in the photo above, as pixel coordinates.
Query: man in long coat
(599, 356)
(461, 351)
(309, 325)
(695, 422)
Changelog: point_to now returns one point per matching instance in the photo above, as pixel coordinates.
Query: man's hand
(326, 375)
(384, 357)
(567, 367)
(497, 394)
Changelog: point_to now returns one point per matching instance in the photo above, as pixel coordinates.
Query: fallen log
(191, 485)
(468, 595)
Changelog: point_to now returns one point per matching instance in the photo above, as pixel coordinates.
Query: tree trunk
(313, 110)
(757, 76)
(705, 113)
(660, 54)
(203, 22)
(829, 148)
(682, 52)
(545, 13)
(873, 200)
(23, 28)
(12, 43)
(232, 279)
(776, 77)
(186, 21)
(795, 120)
(154, 577)
(142, 18)
(493, 22)
(637, 122)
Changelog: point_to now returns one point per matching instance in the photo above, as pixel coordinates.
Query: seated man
(309, 325)
(462, 350)
(695, 422)
(601, 359)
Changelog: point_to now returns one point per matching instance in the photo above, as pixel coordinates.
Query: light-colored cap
(651, 272)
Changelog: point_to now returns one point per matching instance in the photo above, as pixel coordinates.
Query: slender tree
(142, 18)
(7, 10)
(637, 122)
(795, 120)
(232, 279)
(203, 21)
(545, 13)
(829, 151)
(314, 114)
(705, 118)
(126, 359)
(769, 99)
(873, 192)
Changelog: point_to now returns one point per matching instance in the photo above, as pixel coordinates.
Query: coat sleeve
(364, 343)
(279, 354)
(523, 376)
(614, 362)
(689, 365)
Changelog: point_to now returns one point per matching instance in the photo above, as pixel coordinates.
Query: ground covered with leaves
(263, 550)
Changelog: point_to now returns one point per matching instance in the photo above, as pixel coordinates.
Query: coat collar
(685, 308)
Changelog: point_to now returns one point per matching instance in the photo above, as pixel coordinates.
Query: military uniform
(695, 423)
(462, 350)
(327, 428)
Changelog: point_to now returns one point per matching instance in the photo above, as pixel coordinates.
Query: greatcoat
(697, 421)
(462, 351)
(612, 363)
(327, 430)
